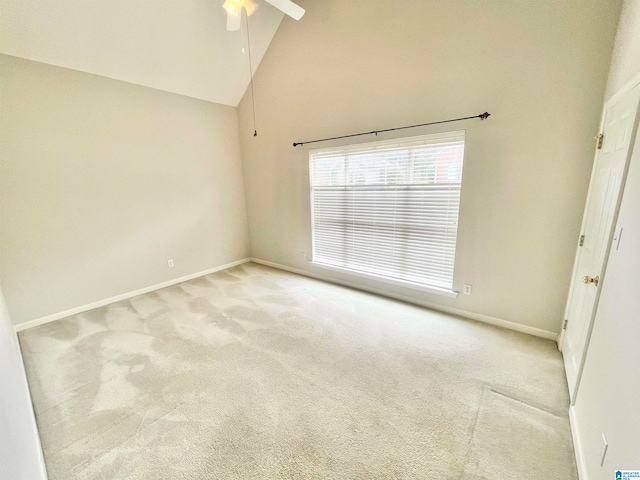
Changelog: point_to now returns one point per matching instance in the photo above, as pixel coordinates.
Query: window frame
(451, 293)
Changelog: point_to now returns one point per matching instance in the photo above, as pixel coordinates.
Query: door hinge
(581, 240)
(564, 325)
(600, 139)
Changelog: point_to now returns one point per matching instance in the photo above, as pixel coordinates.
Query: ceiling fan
(234, 10)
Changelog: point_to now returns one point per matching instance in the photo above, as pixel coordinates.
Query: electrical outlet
(466, 289)
(304, 256)
(170, 263)
(603, 450)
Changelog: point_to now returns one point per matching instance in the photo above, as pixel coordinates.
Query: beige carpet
(255, 373)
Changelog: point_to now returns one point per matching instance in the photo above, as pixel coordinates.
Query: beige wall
(625, 61)
(607, 400)
(101, 182)
(538, 67)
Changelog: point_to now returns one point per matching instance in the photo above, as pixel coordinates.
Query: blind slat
(389, 208)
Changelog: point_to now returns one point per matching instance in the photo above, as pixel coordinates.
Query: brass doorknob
(587, 279)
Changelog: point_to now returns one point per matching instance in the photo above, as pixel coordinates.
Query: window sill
(391, 281)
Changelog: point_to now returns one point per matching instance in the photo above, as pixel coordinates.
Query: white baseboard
(538, 332)
(101, 303)
(577, 445)
(443, 308)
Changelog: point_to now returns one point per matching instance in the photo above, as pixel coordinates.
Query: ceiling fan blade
(287, 6)
(233, 22)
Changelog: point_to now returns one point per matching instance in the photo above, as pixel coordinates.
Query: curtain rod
(482, 116)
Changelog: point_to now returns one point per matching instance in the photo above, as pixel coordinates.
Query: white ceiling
(180, 46)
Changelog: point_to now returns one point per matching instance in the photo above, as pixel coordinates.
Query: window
(389, 209)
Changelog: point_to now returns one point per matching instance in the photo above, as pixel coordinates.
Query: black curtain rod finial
(484, 116)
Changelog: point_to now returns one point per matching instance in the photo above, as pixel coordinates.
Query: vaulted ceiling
(180, 46)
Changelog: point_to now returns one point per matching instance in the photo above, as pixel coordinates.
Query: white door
(597, 227)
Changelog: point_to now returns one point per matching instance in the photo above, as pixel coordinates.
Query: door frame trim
(629, 86)
(635, 80)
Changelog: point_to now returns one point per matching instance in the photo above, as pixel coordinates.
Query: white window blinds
(389, 208)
